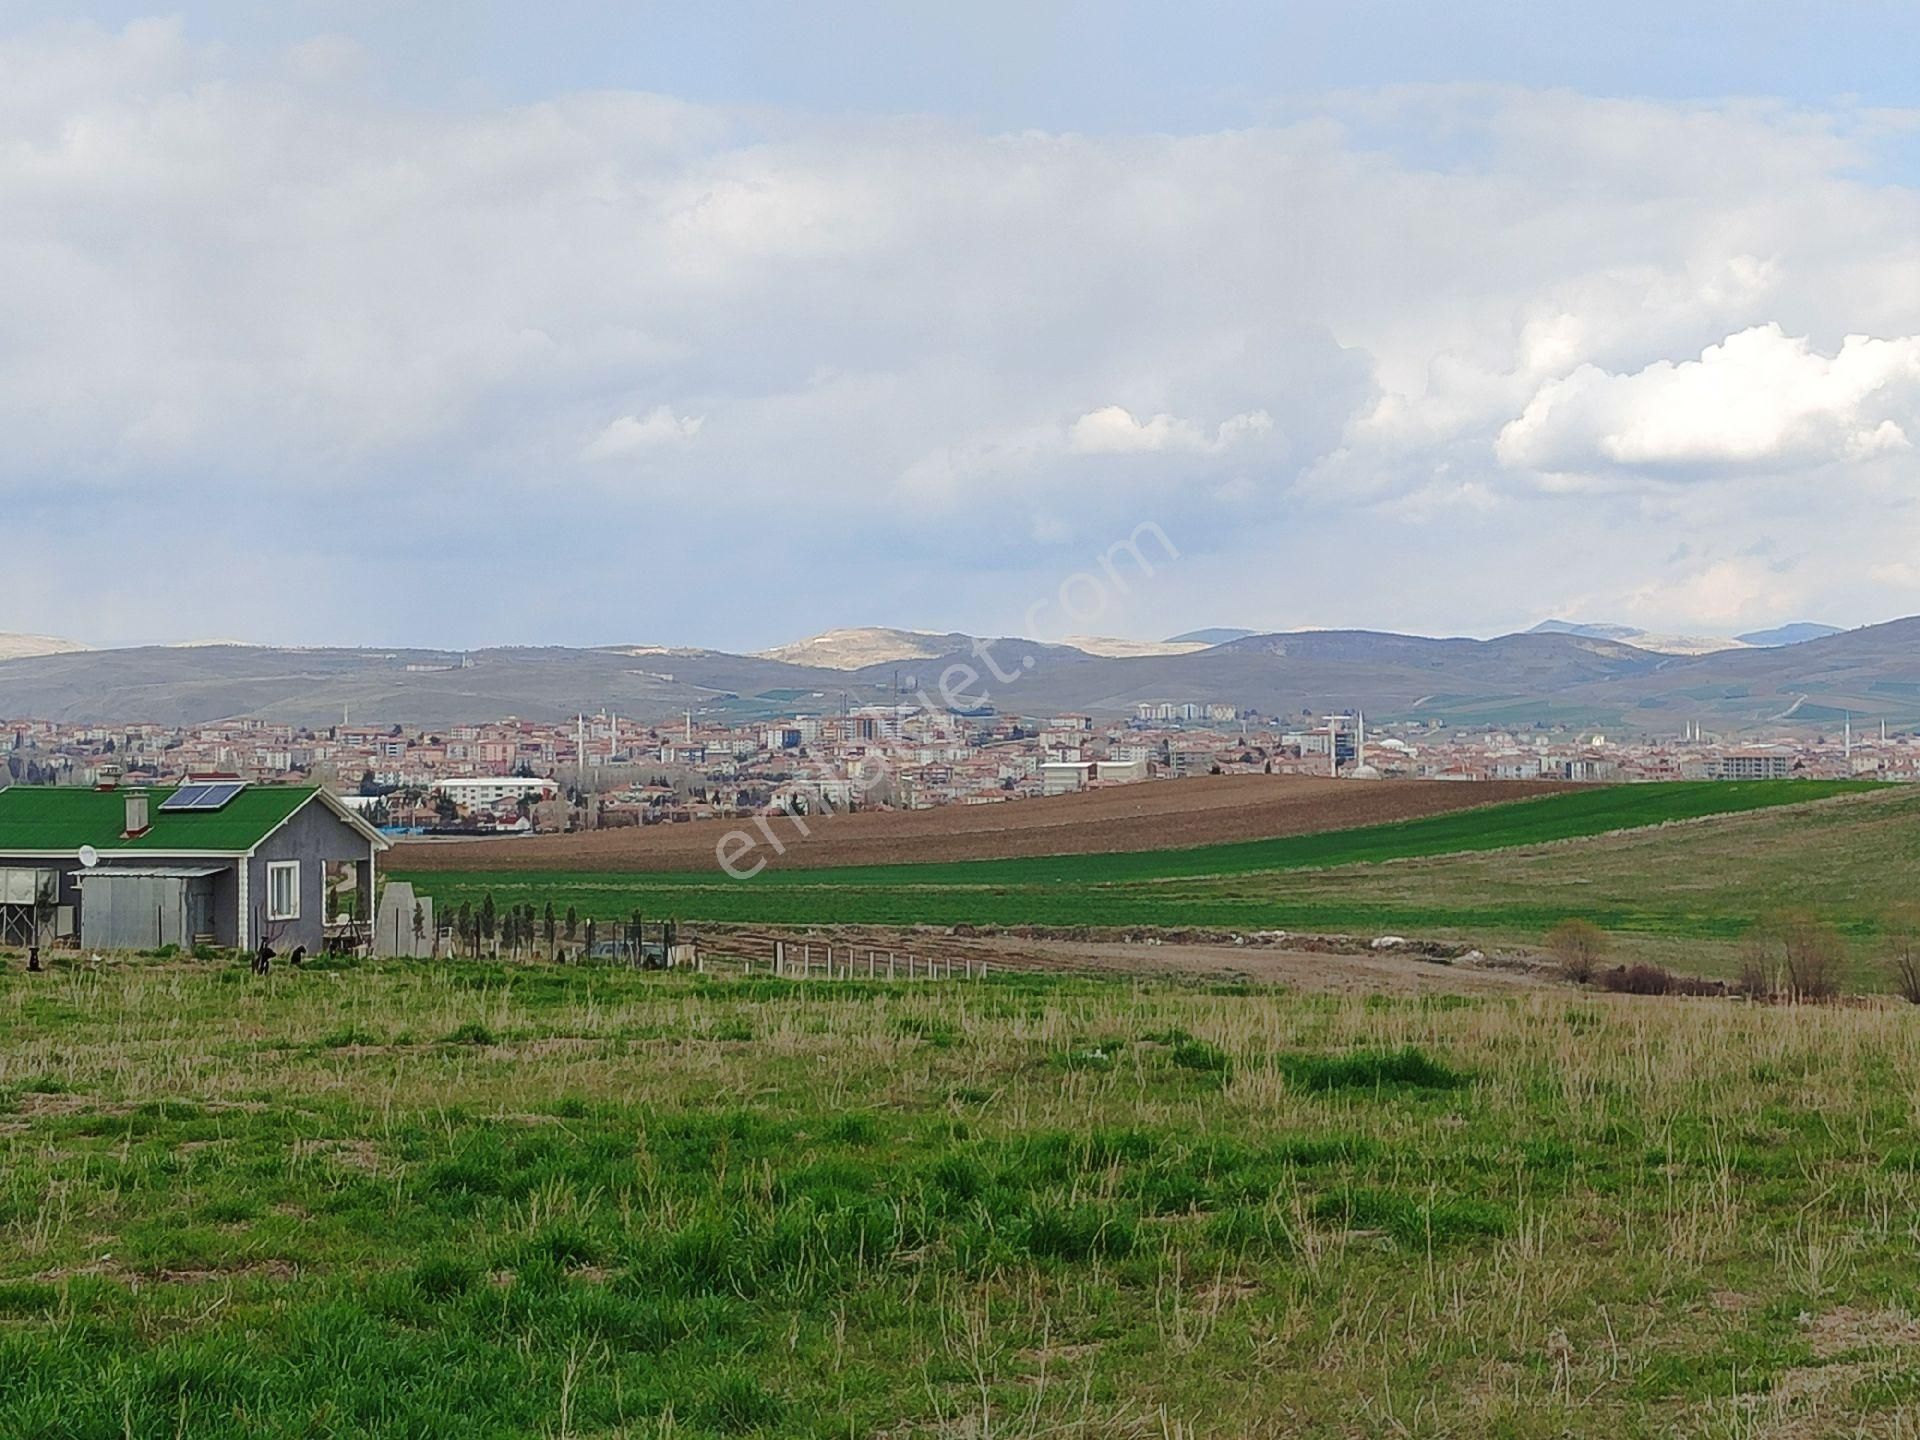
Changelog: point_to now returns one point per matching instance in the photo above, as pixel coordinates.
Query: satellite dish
(89, 856)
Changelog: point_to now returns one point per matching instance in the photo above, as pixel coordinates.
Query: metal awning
(151, 872)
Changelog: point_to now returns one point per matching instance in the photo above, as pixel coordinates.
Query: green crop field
(1502, 871)
(468, 1201)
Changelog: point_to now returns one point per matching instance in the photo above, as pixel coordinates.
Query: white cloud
(1724, 593)
(1760, 399)
(1113, 430)
(1900, 574)
(633, 435)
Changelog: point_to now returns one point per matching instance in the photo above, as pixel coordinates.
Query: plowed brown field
(1153, 815)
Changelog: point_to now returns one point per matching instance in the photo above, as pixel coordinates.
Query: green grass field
(1610, 854)
(454, 1200)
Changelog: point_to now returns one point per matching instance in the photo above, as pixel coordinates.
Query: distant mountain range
(1552, 675)
(1795, 634)
(1665, 644)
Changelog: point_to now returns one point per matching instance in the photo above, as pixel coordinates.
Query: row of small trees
(486, 928)
(521, 930)
(1789, 955)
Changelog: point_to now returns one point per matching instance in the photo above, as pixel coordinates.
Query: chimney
(106, 777)
(136, 814)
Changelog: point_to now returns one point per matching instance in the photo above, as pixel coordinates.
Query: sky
(723, 324)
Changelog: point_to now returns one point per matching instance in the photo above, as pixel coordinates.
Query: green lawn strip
(610, 899)
(1541, 820)
(1214, 893)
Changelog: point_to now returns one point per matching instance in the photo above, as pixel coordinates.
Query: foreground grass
(478, 1201)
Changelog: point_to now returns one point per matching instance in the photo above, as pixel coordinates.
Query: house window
(283, 890)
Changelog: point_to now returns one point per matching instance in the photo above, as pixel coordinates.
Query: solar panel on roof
(201, 797)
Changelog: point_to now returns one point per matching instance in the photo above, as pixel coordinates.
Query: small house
(225, 864)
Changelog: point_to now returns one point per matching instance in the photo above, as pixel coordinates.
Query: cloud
(326, 59)
(248, 283)
(1761, 399)
(1113, 430)
(1723, 593)
(631, 435)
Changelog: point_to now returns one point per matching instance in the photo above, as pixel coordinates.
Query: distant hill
(876, 645)
(1797, 633)
(18, 647)
(1112, 647)
(1514, 681)
(1217, 635)
(1654, 640)
(869, 645)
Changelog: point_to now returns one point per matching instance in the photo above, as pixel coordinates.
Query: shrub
(1577, 945)
(1637, 980)
(1793, 953)
(1758, 977)
(1902, 931)
(1815, 957)
(1641, 979)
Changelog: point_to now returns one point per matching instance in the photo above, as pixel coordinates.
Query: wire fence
(857, 962)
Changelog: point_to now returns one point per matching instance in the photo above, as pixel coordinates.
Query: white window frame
(276, 868)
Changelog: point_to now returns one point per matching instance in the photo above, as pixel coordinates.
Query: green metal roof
(63, 818)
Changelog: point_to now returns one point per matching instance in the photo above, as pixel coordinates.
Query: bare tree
(1578, 946)
(1901, 936)
(1815, 955)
